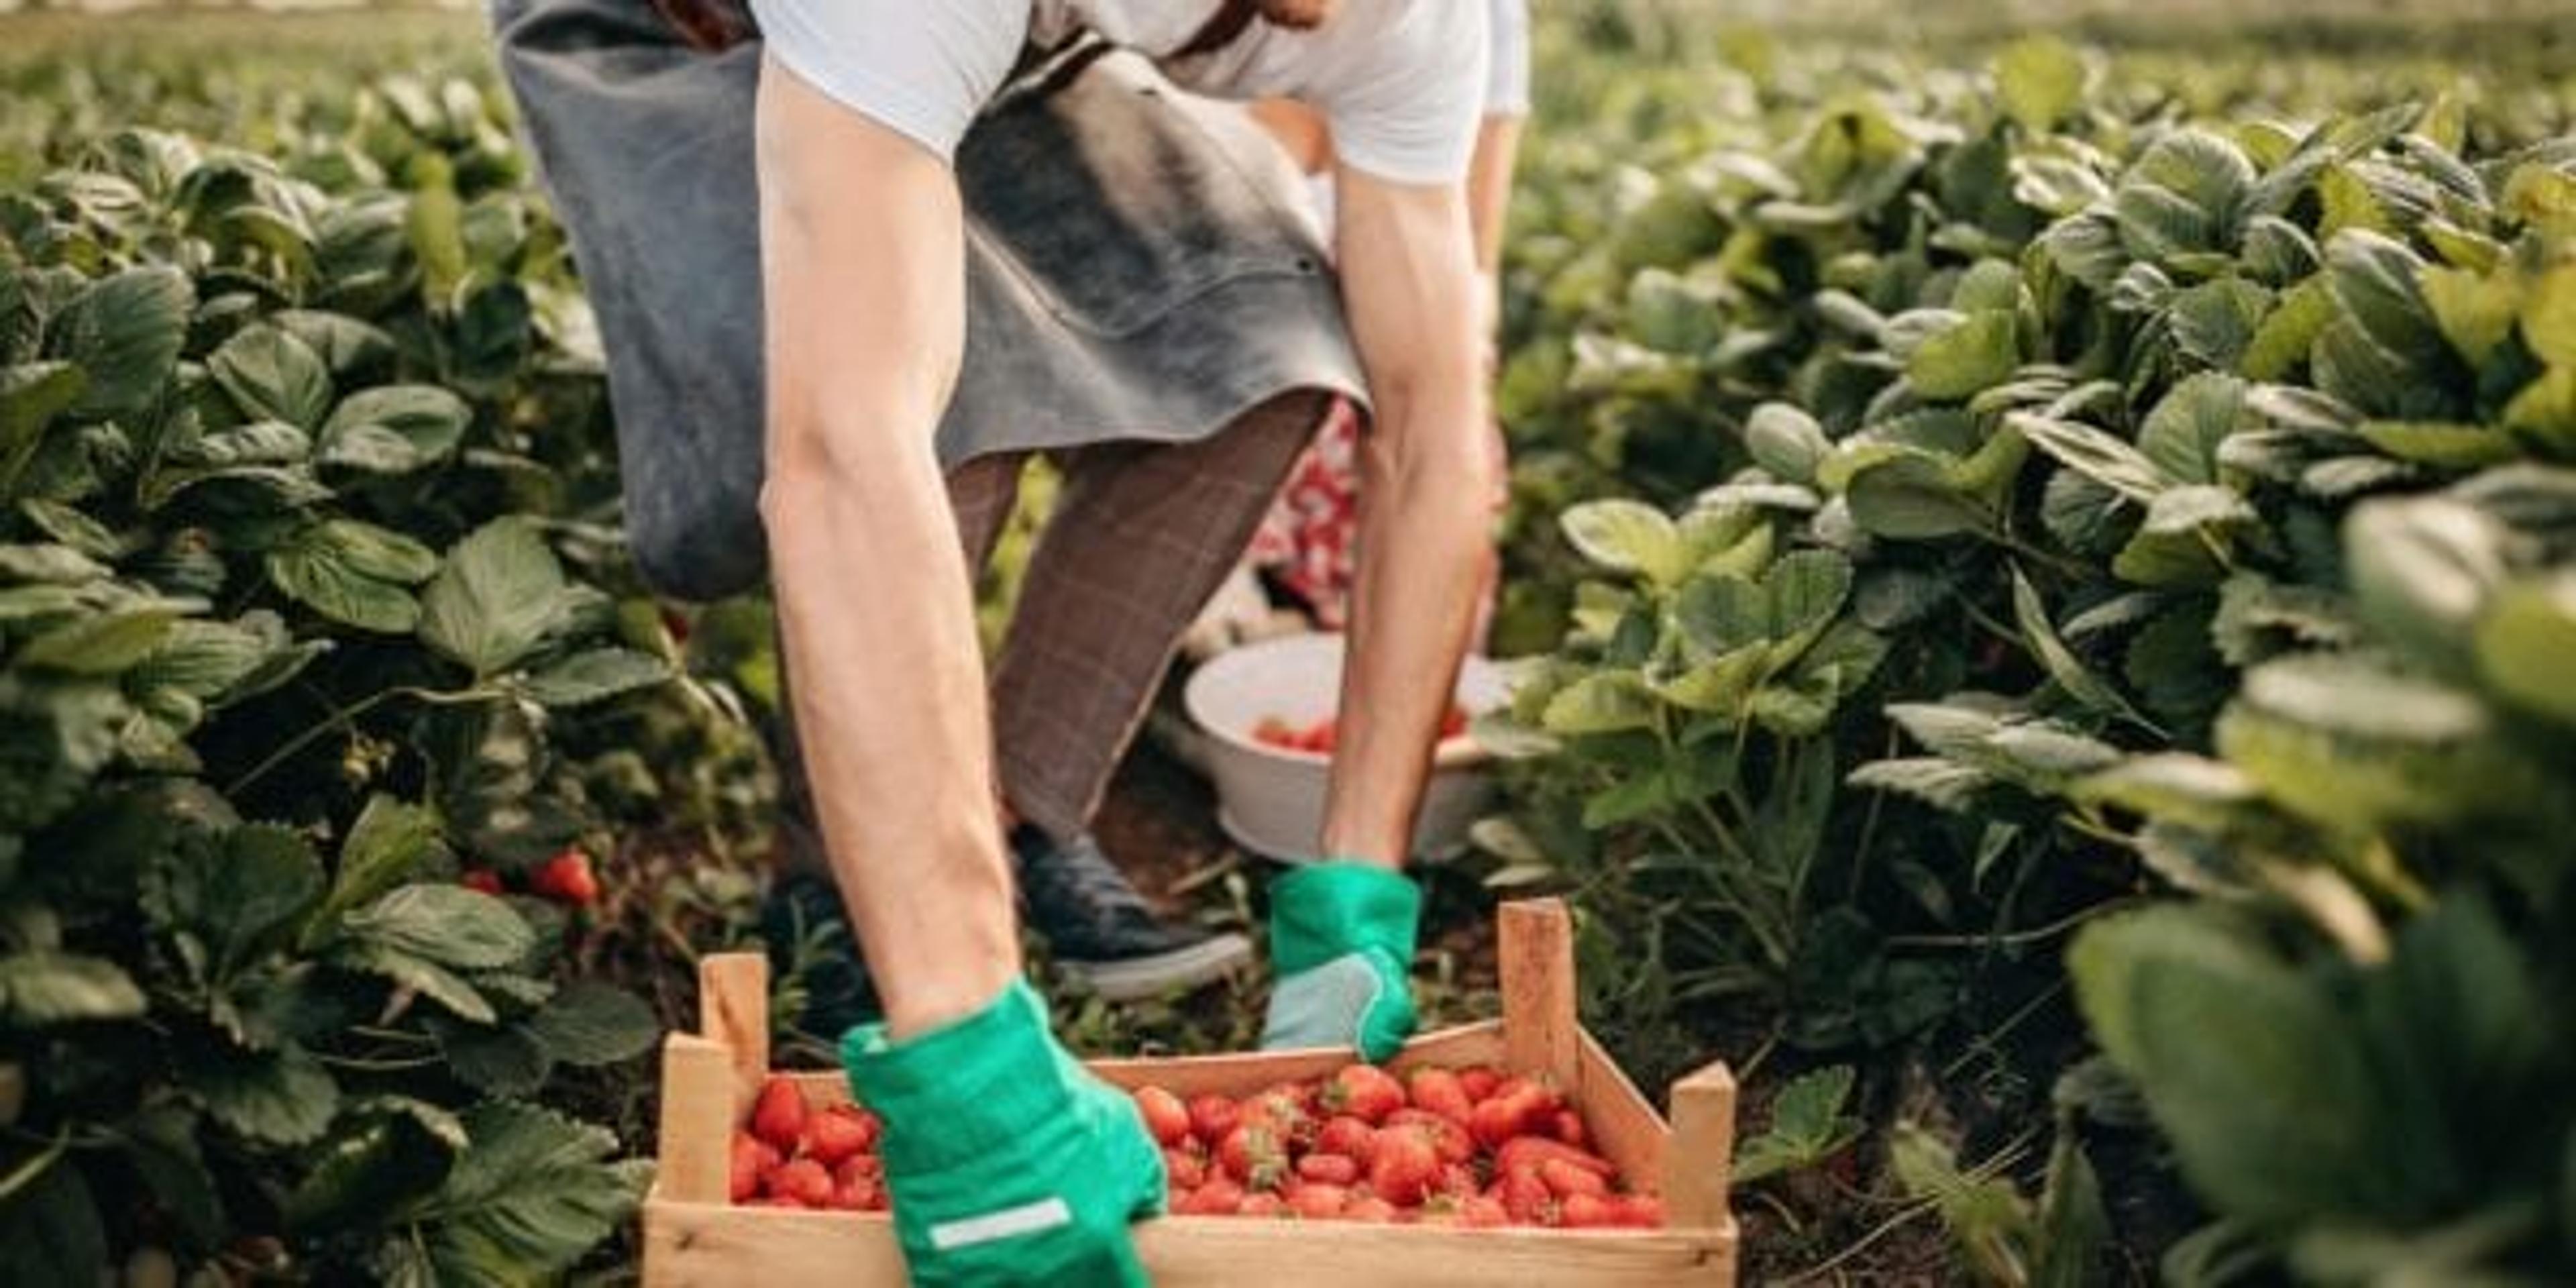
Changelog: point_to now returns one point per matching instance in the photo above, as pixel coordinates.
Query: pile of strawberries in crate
(1469, 1147)
(1466, 1147)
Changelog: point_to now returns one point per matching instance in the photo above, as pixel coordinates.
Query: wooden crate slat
(693, 1245)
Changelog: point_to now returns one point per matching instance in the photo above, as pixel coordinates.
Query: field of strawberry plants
(2046, 573)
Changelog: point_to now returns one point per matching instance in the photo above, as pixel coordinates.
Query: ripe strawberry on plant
(1365, 1092)
(1166, 1118)
(566, 878)
(483, 880)
(839, 1132)
(778, 1117)
(1406, 1166)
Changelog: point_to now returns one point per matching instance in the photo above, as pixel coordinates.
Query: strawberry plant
(311, 642)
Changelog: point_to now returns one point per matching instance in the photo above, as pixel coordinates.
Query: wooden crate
(693, 1238)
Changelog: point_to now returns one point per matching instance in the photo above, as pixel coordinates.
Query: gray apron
(1137, 265)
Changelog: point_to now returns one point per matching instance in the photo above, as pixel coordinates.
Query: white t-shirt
(1403, 83)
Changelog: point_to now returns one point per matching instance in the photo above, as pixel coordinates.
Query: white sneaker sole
(1140, 978)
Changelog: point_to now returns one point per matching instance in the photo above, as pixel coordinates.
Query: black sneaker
(809, 938)
(1103, 933)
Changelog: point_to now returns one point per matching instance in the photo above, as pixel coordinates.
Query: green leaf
(447, 924)
(2215, 322)
(596, 676)
(2282, 344)
(2060, 661)
(1974, 354)
(124, 332)
(387, 846)
(395, 429)
(2524, 643)
(388, 1160)
(499, 594)
(1808, 1126)
(497, 1060)
(2251, 1070)
(106, 642)
(272, 375)
(1608, 702)
(324, 568)
(589, 1023)
(2182, 435)
(2374, 279)
(46, 987)
(2211, 795)
(2549, 317)
(2476, 311)
(532, 1194)
(2422, 570)
(2443, 445)
(1786, 441)
(1626, 536)
(50, 1231)
(2356, 748)
(425, 977)
(2040, 80)
(282, 1097)
(2092, 453)
(1720, 685)
(31, 395)
(238, 892)
(1943, 784)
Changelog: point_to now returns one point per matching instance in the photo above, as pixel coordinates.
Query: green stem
(344, 717)
(28, 1171)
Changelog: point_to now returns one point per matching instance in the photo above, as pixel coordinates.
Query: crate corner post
(1700, 1158)
(1542, 1032)
(733, 1012)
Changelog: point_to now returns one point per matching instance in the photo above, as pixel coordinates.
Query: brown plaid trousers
(1141, 534)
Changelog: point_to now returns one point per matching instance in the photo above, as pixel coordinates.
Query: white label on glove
(1028, 1218)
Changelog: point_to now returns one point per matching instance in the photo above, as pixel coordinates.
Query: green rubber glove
(1341, 941)
(1007, 1162)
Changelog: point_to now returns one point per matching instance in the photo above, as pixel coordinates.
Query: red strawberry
(1453, 1141)
(1641, 1211)
(1482, 1212)
(1219, 1197)
(1212, 1116)
(859, 1167)
(483, 879)
(1280, 1114)
(1525, 1153)
(1479, 1081)
(1439, 1091)
(753, 1158)
(803, 1181)
(1251, 1155)
(1457, 1179)
(837, 1133)
(1565, 1179)
(1406, 1165)
(1365, 1092)
(1261, 1204)
(1165, 1116)
(1369, 1208)
(1318, 1201)
(1187, 1169)
(1570, 1129)
(1275, 732)
(779, 1115)
(1329, 1169)
(1524, 1197)
(566, 878)
(1587, 1212)
(1454, 723)
(1348, 1137)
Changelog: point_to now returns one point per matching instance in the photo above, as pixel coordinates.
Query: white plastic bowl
(1270, 800)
